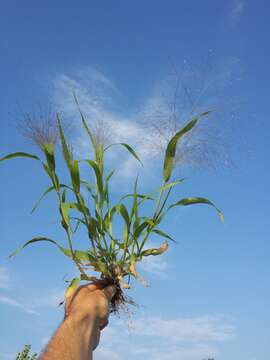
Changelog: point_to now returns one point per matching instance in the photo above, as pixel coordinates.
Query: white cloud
(236, 11)
(199, 329)
(149, 128)
(8, 356)
(4, 278)
(44, 341)
(196, 352)
(104, 353)
(11, 302)
(52, 299)
(96, 95)
(156, 338)
(155, 265)
(237, 8)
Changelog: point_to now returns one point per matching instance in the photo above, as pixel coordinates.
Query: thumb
(109, 291)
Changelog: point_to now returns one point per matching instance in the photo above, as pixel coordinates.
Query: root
(120, 301)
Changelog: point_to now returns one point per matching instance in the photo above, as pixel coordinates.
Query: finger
(109, 291)
(105, 323)
(96, 340)
(97, 285)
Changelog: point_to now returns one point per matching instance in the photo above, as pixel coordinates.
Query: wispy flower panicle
(102, 132)
(41, 129)
(203, 146)
(197, 148)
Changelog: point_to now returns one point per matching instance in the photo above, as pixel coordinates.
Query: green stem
(164, 203)
(159, 200)
(80, 201)
(73, 254)
(149, 230)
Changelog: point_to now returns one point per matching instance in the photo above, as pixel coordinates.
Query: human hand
(89, 308)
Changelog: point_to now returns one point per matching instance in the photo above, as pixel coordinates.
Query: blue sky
(209, 294)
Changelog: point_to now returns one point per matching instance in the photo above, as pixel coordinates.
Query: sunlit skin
(86, 314)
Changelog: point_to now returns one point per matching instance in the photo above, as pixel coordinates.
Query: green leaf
(125, 235)
(149, 197)
(92, 228)
(138, 230)
(37, 239)
(102, 267)
(76, 227)
(136, 223)
(163, 234)
(73, 165)
(65, 149)
(171, 147)
(124, 213)
(85, 124)
(75, 175)
(80, 255)
(106, 191)
(132, 152)
(90, 188)
(140, 196)
(129, 149)
(95, 167)
(196, 200)
(73, 285)
(19, 154)
(64, 208)
(109, 176)
(84, 256)
(41, 198)
(49, 153)
(46, 192)
(170, 185)
(134, 209)
(63, 197)
(80, 207)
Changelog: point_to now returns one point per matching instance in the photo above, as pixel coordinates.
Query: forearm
(74, 340)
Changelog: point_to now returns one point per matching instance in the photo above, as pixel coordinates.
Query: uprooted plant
(113, 257)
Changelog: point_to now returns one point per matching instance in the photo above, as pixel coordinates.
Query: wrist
(84, 328)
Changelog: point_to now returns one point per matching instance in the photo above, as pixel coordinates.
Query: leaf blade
(172, 145)
(98, 175)
(129, 149)
(19, 154)
(37, 239)
(163, 234)
(197, 200)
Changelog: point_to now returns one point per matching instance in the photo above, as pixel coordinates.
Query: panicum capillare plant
(26, 355)
(112, 256)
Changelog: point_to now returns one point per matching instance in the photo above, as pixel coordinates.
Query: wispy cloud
(4, 278)
(199, 329)
(97, 96)
(149, 127)
(51, 299)
(151, 337)
(104, 353)
(8, 356)
(155, 265)
(196, 352)
(6, 300)
(237, 10)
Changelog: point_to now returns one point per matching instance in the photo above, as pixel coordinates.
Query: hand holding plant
(86, 314)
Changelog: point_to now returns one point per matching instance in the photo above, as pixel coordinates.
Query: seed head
(40, 128)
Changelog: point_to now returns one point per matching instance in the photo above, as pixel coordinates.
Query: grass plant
(114, 258)
(26, 355)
